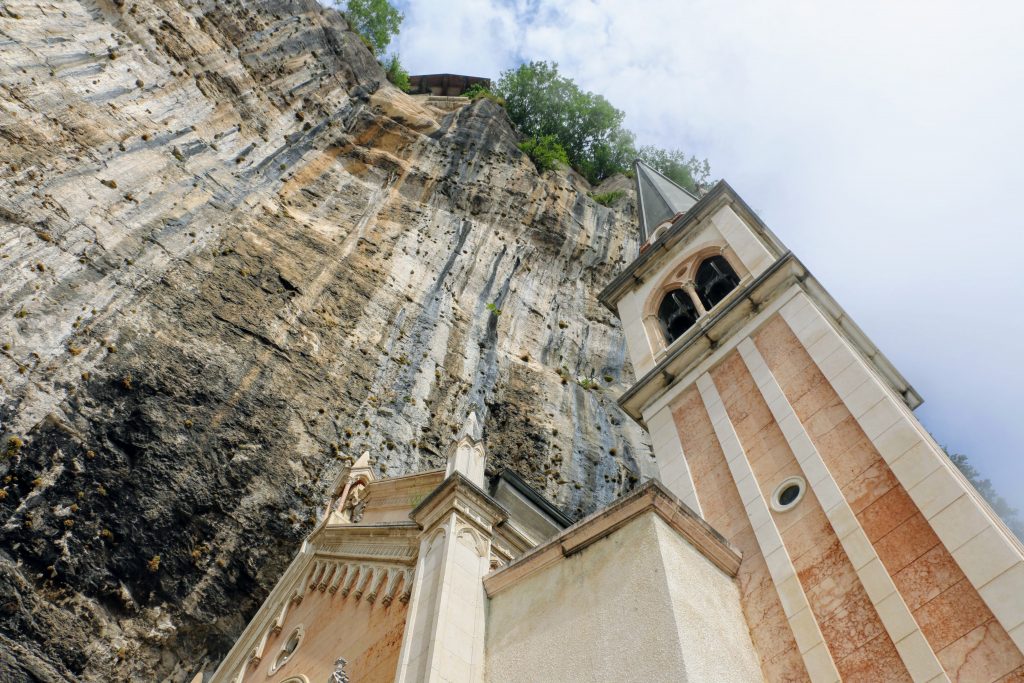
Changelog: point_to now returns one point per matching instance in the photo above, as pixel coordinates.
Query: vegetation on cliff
(545, 151)
(377, 22)
(396, 73)
(544, 104)
(563, 123)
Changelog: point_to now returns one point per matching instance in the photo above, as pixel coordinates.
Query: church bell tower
(866, 555)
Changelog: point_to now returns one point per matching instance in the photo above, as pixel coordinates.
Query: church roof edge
(535, 497)
(651, 496)
(458, 480)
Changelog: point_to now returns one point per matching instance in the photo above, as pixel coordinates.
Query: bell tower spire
(659, 199)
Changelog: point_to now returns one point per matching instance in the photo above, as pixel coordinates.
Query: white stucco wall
(713, 633)
(638, 605)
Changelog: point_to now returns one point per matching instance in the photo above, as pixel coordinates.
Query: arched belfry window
(677, 314)
(715, 279)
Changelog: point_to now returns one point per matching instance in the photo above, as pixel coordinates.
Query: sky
(883, 142)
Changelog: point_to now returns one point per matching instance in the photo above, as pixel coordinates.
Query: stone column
(690, 287)
(444, 633)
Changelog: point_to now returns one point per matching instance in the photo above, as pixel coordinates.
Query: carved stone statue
(339, 675)
(357, 511)
(355, 504)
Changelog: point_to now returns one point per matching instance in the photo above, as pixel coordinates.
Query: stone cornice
(744, 307)
(325, 534)
(389, 542)
(703, 338)
(514, 539)
(460, 494)
(387, 551)
(651, 497)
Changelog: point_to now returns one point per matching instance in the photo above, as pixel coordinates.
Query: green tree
(1002, 507)
(377, 21)
(610, 156)
(692, 173)
(542, 102)
(396, 73)
(476, 90)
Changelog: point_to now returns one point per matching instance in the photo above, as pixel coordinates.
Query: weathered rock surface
(231, 256)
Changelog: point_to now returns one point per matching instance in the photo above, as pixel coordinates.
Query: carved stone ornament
(338, 675)
(355, 504)
(357, 511)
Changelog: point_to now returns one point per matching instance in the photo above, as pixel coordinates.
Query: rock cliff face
(231, 257)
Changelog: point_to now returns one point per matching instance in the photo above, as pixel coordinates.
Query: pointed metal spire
(658, 199)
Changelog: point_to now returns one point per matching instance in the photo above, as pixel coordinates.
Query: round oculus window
(788, 493)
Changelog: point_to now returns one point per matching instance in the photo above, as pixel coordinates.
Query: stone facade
(436, 580)
(345, 594)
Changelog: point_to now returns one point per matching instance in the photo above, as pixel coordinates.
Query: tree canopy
(377, 21)
(542, 103)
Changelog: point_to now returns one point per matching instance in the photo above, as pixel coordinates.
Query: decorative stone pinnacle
(363, 462)
(471, 428)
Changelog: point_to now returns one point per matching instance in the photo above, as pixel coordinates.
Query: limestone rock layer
(231, 257)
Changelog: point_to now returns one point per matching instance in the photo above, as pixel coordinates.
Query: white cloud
(881, 141)
(458, 36)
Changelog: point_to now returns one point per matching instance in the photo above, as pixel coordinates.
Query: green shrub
(14, 445)
(397, 74)
(608, 198)
(545, 152)
(477, 92)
